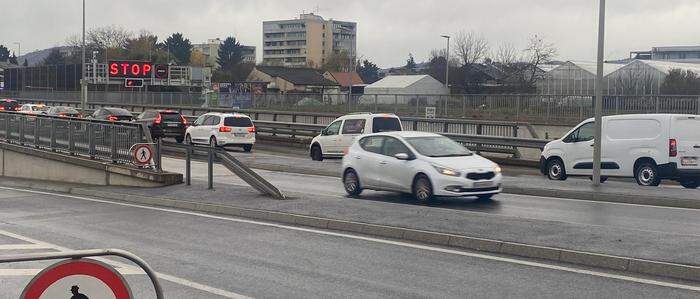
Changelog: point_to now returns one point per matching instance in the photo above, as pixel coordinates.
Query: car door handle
(358, 157)
(697, 146)
(592, 144)
(383, 163)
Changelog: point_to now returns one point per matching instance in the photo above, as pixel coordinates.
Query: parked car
(423, 164)
(63, 111)
(648, 147)
(112, 114)
(164, 123)
(222, 129)
(339, 135)
(9, 105)
(33, 109)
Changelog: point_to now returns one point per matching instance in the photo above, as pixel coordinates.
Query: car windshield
(438, 146)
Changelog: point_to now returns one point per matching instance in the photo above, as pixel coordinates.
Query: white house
(404, 89)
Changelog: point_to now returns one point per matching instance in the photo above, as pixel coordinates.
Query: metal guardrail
(230, 162)
(100, 140)
(152, 275)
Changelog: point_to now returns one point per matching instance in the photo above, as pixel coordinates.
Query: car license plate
(172, 125)
(240, 134)
(483, 184)
(689, 161)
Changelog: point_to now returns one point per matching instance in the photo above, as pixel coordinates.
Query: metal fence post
(21, 130)
(52, 135)
(91, 141)
(36, 132)
(376, 103)
(698, 106)
(464, 105)
(7, 127)
(396, 103)
(188, 165)
(159, 155)
(517, 107)
(71, 141)
(113, 143)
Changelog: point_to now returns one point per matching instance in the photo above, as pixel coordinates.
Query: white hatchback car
(423, 164)
(340, 134)
(33, 109)
(221, 129)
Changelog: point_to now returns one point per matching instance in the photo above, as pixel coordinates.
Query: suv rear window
(385, 124)
(238, 122)
(170, 116)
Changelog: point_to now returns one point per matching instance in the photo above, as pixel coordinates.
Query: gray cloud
(388, 30)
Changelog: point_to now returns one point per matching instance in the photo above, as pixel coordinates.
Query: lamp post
(83, 82)
(598, 109)
(447, 63)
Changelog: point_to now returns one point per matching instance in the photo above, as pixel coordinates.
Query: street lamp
(447, 63)
(598, 109)
(83, 82)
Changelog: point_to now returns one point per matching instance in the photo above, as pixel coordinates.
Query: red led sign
(130, 69)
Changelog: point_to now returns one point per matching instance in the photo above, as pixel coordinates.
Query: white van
(338, 136)
(648, 147)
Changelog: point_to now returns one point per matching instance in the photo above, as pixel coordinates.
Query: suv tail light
(158, 119)
(2, 108)
(672, 148)
(18, 108)
(112, 118)
(224, 129)
(251, 130)
(184, 120)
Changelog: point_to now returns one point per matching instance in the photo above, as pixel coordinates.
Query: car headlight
(498, 169)
(446, 171)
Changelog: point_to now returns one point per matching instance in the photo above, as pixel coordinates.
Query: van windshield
(385, 124)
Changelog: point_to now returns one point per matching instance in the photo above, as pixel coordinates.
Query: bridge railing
(100, 140)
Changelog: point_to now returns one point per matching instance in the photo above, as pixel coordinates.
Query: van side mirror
(402, 156)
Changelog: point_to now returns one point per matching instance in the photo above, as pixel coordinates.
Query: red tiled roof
(347, 79)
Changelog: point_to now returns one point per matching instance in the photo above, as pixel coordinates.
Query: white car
(222, 129)
(340, 134)
(33, 109)
(423, 164)
(647, 147)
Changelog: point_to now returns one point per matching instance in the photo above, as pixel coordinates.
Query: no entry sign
(78, 279)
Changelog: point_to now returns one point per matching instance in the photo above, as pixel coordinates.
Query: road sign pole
(598, 140)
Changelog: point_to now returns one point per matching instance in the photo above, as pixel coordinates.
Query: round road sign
(78, 278)
(143, 153)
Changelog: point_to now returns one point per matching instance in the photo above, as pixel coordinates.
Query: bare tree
(538, 52)
(470, 47)
(506, 54)
(102, 38)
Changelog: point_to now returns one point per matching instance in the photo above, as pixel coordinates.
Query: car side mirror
(402, 156)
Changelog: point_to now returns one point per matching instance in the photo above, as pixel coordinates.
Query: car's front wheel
(316, 153)
(423, 189)
(179, 139)
(351, 182)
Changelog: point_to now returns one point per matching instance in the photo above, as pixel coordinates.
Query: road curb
(611, 262)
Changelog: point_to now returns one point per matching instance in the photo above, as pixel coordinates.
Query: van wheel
(690, 183)
(647, 174)
(316, 153)
(422, 189)
(556, 170)
(351, 182)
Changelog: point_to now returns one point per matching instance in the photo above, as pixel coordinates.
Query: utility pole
(598, 140)
(83, 81)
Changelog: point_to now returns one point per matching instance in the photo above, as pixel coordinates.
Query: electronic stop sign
(80, 279)
(130, 69)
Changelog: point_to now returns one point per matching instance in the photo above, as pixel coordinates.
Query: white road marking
(126, 268)
(389, 242)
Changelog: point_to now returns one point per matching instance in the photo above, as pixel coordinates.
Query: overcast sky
(388, 29)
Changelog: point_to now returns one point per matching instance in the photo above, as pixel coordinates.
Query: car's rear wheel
(423, 189)
(179, 139)
(647, 174)
(316, 153)
(247, 148)
(690, 183)
(556, 170)
(351, 182)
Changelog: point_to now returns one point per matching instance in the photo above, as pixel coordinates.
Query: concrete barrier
(30, 163)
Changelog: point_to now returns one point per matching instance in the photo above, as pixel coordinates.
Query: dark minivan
(164, 123)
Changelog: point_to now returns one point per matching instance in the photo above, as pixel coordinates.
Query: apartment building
(210, 50)
(307, 41)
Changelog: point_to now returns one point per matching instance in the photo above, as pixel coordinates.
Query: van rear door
(685, 129)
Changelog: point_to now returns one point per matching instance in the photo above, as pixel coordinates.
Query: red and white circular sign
(143, 153)
(80, 279)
